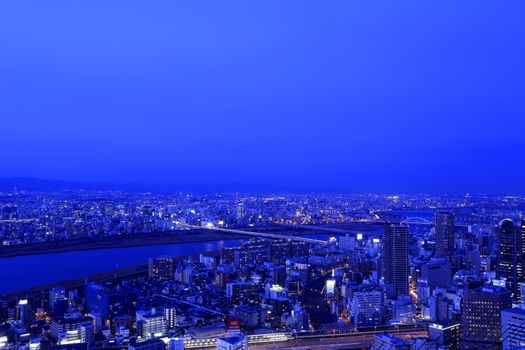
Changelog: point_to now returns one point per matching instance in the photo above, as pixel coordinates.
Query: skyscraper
(511, 255)
(395, 256)
(162, 268)
(365, 308)
(513, 328)
(445, 235)
(437, 273)
(481, 321)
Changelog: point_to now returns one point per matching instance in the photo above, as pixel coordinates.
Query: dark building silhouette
(162, 268)
(481, 319)
(395, 256)
(445, 235)
(511, 255)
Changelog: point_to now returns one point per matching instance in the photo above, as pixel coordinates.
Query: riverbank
(106, 276)
(126, 272)
(136, 240)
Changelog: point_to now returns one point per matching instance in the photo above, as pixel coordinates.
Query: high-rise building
(445, 334)
(438, 273)
(150, 324)
(97, 300)
(170, 314)
(511, 255)
(438, 307)
(513, 328)
(73, 322)
(481, 319)
(395, 259)
(242, 292)
(445, 235)
(54, 295)
(365, 308)
(250, 316)
(241, 211)
(23, 312)
(162, 268)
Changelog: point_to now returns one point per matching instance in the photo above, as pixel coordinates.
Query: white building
(239, 342)
(150, 324)
(387, 341)
(365, 308)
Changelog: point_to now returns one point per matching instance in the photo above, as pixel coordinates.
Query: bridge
(416, 221)
(257, 234)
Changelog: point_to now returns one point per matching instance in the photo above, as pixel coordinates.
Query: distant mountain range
(42, 185)
(34, 184)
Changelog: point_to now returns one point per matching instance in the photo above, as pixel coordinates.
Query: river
(23, 272)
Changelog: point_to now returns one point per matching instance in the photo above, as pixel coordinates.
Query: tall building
(481, 319)
(445, 334)
(437, 273)
(54, 295)
(97, 300)
(242, 292)
(445, 235)
(511, 255)
(365, 308)
(241, 211)
(162, 268)
(73, 322)
(150, 324)
(513, 328)
(395, 259)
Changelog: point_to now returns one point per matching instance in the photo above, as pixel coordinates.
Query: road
(257, 234)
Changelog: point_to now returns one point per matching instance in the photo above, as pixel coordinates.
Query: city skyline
(252, 175)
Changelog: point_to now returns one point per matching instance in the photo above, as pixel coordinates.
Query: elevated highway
(258, 234)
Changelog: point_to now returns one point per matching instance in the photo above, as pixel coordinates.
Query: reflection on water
(18, 273)
(24, 272)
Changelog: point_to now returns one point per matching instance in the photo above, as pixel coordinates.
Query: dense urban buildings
(351, 271)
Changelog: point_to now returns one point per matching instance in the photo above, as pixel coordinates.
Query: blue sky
(358, 96)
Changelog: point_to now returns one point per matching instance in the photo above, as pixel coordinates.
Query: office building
(445, 334)
(395, 260)
(511, 255)
(445, 235)
(481, 318)
(365, 308)
(162, 268)
(54, 295)
(242, 292)
(438, 274)
(513, 328)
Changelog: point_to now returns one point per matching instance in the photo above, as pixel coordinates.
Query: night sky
(353, 96)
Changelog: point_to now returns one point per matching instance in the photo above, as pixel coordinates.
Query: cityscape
(257, 175)
(300, 271)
